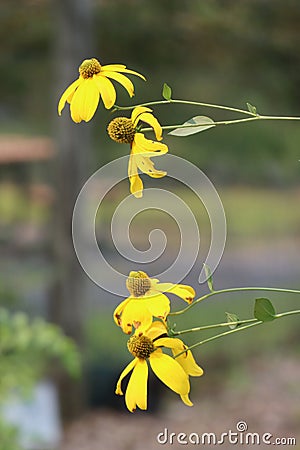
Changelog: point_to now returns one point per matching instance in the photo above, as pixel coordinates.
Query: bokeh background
(216, 51)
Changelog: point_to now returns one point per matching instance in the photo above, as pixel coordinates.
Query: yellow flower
(125, 131)
(147, 300)
(173, 372)
(94, 82)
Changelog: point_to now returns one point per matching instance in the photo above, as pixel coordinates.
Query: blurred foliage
(26, 350)
(9, 437)
(219, 51)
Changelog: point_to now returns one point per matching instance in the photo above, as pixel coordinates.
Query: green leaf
(230, 317)
(166, 92)
(251, 108)
(204, 124)
(209, 278)
(264, 310)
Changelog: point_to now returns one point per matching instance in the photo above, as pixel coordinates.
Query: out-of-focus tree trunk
(72, 44)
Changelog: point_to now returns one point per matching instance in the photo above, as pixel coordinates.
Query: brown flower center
(140, 346)
(121, 130)
(89, 67)
(138, 283)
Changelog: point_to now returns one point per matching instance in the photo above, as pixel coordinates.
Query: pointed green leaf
(264, 310)
(230, 317)
(166, 92)
(209, 278)
(194, 125)
(251, 108)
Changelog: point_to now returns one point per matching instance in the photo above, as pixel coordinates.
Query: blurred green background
(216, 51)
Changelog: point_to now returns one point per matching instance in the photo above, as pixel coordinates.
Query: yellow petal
(170, 343)
(188, 363)
(186, 360)
(85, 101)
(107, 90)
(186, 400)
(153, 122)
(136, 313)
(128, 85)
(120, 68)
(157, 328)
(66, 94)
(158, 305)
(151, 148)
(170, 372)
(138, 110)
(136, 184)
(118, 311)
(147, 166)
(128, 71)
(133, 72)
(183, 291)
(112, 67)
(127, 369)
(136, 392)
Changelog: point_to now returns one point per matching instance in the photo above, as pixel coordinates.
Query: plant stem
(225, 122)
(253, 116)
(228, 324)
(217, 336)
(230, 290)
(185, 102)
(215, 325)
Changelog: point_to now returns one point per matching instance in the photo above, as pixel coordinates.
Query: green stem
(254, 323)
(215, 325)
(185, 102)
(230, 290)
(287, 313)
(217, 336)
(227, 324)
(225, 122)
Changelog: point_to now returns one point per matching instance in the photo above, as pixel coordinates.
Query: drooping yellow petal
(151, 148)
(186, 359)
(67, 93)
(170, 372)
(136, 184)
(153, 122)
(137, 314)
(170, 343)
(106, 89)
(157, 328)
(183, 291)
(158, 305)
(186, 400)
(128, 85)
(188, 363)
(120, 68)
(85, 101)
(136, 392)
(147, 166)
(136, 113)
(118, 311)
(127, 369)
(133, 72)
(112, 67)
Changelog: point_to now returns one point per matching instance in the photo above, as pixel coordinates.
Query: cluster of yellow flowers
(84, 95)
(143, 315)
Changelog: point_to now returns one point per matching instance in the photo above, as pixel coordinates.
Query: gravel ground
(268, 401)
